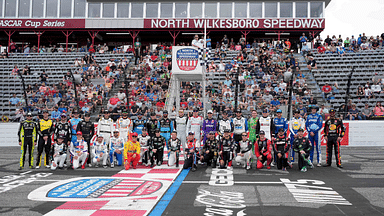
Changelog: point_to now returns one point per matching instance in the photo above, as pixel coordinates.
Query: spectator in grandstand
(303, 40)
(353, 113)
(360, 92)
(376, 89)
(43, 77)
(113, 102)
(26, 70)
(366, 112)
(15, 71)
(20, 115)
(327, 90)
(367, 92)
(378, 110)
(14, 101)
(196, 42)
(323, 111)
(311, 64)
(305, 49)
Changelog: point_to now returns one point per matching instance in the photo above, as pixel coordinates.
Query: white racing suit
(181, 128)
(144, 153)
(79, 148)
(223, 125)
(125, 127)
(174, 147)
(244, 147)
(59, 154)
(105, 128)
(99, 150)
(116, 144)
(195, 124)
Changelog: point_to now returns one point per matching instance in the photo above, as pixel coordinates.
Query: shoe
(127, 167)
(310, 164)
(340, 166)
(65, 165)
(20, 168)
(105, 166)
(152, 165)
(193, 169)
(134, 167)
(83, 166)
(319, 164)
(60, 168)
(37, 167)
(30, 167)
(268, 167)
(304, 169)
(89, 165)
(273, 164)
(97, 165)
(229, 168)
(248, 167)
(112, 165)
(284, 169)
(238, 163)
(47, 166)
(326, 165)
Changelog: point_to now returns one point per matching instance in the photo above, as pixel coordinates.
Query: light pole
(288, 78)
(25, 92)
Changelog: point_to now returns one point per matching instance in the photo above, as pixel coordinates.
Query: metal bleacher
(334, 68)
(55, 65)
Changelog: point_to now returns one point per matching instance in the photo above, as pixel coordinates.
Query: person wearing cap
(156, 148)
(265, 124)
(209, 125)
(63, 129)
(252, 123)
(243, 151)
(88, 129)
(195, 123)
(225, 124)
(263, 151)
(116, 149)
(280, 122)
(143, 139)
(166, 126)
(240, 125)
(105, 127)
(74, 122)
(334, 131)
(55, 114)
(191, 152)
(210, 150)
(151, 124)
(79, 151)
(180, 123)
(327, 91)
(139, 123)
(58, 153)
(173, 147)
(302, 146)
(27, 135)
(281, 145)
(313, 125)
(226, 147)
(99, 152)
(124, 126)
(295, 124)
(45, 131)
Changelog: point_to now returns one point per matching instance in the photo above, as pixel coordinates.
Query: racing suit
(208, 125)
(181, 128)
(116, 144)
(191, 154)
(239, 126)
(226, 147)
(158, 143)
(74, 122)
(138, 125)
(45, 128)
(252, 129)
(224, 124)
(174, 146)
(314, 124)
(79, 148)
(294, 125)
(212, 146)
(194, 124)
(280, 123)
(63, 129)
(166, 127)
(88, 130)
(263, 148)
(105, 128)
(58, 155)
(130, 149)
(124, 125)
(244, 147)
(265, 124)
(144, 148)
(151, 126)
(302, 144)
(333, 129)
(27, 136)
(281, 145)
(99, 151)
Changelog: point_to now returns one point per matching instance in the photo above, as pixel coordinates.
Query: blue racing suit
(280, 123)
(138, 125)
(74, 122)
(314, 124)
(208, 126)
(166, 127)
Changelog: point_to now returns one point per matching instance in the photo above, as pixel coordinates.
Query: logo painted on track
(96, 188)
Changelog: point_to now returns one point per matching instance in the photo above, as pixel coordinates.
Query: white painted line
(45, 180)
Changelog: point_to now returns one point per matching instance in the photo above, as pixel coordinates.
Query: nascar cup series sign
(185, 60)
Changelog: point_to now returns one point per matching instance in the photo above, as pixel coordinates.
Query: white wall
(8, 134)
(366, 133)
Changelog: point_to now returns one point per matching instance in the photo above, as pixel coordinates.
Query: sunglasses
(244, 135)
(134, 136)
(115, 132)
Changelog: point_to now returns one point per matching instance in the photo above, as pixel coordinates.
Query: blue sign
(78, 189)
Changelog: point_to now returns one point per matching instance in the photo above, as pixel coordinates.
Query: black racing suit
(157, 143)
(27, 136)
(88, 130)
(281, 145)
(212, 146)
(302, 144)
(174, 147)
(45, 128)
(226, 147)
(151, 126)
(333, 129)
(63, 129)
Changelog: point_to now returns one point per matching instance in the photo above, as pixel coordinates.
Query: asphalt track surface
(358, 189)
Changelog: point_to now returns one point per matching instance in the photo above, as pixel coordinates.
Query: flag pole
(204, 69)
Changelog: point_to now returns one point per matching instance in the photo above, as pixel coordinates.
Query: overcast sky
(353, 17)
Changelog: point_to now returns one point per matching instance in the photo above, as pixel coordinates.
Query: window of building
(316, 9)
(166, 10)
(225, 9)
(286, 9)
(240, 10)
(181, 10)
(37, 8)
(65, 8)
(255, 9)
(123, 10)
(94, 10)
(210, 10)
(79, 8)
(24, 8)
(301, 9)
(137, 10)
(1, 8)
(51, 8)
(270, 9)
(152, 10)
(10, 8)
(195, 10)
(108, 10)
